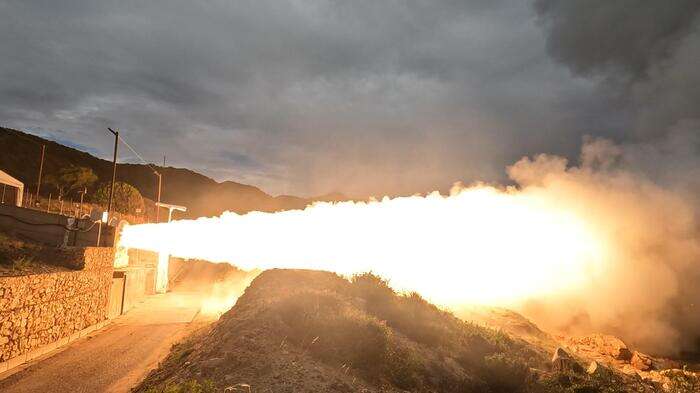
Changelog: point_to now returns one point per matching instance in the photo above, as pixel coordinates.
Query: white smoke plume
(643, 200)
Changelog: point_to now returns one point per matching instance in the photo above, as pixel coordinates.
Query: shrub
(320, 324)
(403, 368)
(191, 386)
(371, 287)
(71, 178)
(410, 314)
(127, 199)
(22, 262)
(503, 374)
(415, 317)
(570, 382)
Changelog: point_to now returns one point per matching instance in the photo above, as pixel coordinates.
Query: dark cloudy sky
(361, 96)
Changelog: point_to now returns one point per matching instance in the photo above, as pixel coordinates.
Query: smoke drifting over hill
(644, 194)
(642, 200)
(602, 246)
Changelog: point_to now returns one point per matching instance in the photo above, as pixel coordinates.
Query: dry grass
(191, 386)
(18, 257)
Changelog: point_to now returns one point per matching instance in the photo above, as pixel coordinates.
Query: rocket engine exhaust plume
(590, 247)
(479, 244)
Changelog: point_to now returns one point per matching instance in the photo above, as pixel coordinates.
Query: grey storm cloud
(646, 52)
(628, 36)
(312, 96)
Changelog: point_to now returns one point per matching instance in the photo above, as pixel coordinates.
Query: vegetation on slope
(315, 331)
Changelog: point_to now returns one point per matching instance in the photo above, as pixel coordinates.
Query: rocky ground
(596, 352)
(310, 331)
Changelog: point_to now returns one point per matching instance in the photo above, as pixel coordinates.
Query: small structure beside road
(17, 186)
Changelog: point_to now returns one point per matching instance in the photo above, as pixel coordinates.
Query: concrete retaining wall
(133, 281)
(142, 258)
(41, 310)
(141, 274)
(50, 228)
(135, 290)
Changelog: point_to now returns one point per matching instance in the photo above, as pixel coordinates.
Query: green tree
(127, 199)
(72, 178)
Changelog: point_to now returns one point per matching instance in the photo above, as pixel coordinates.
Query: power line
(160, 176)
(137, 154)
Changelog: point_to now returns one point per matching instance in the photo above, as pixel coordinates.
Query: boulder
(641, 361)
(562, 361)
(597, 370)
(602, 344)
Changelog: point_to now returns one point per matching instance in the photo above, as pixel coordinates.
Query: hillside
(202, 195)
(311, 331)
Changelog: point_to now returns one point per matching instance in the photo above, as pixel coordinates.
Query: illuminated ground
(115, 358)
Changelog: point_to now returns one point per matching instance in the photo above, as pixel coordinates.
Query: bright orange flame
(478, 245)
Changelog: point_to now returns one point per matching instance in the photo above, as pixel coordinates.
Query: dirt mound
(193, 275)
(510, 322)
(310, 331)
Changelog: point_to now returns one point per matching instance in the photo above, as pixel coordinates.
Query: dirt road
(115, 358)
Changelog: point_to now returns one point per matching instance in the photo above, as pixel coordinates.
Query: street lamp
(171, 208)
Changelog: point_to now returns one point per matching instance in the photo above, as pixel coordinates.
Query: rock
(656, 378)
(604, 345)
(641, 361)
(663, 364)
(562, 361)
(595, 369)
(629, 370)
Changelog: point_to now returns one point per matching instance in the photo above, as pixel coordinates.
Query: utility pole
(114, 173)
(41, 169)
(160, 182)
(82, 195)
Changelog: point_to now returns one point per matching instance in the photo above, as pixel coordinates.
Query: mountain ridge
(202, 195)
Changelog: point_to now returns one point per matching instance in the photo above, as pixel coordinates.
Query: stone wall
(41, 309)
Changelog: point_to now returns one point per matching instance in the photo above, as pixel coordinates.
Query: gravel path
(115, 358)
